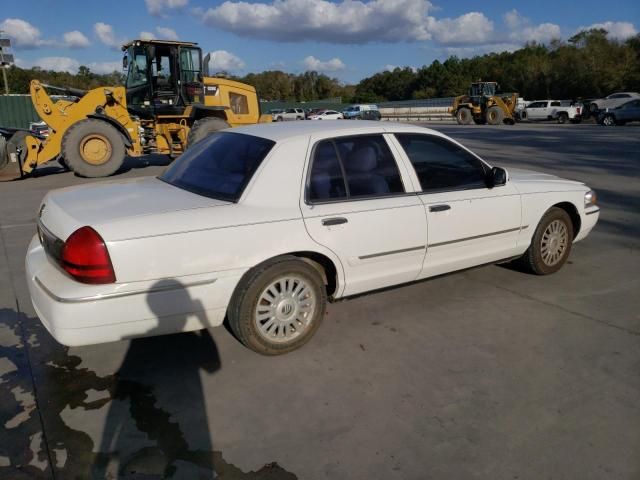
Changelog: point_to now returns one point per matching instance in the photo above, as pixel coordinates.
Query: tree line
(588, 65)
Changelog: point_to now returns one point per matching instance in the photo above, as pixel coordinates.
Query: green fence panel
(17, 111)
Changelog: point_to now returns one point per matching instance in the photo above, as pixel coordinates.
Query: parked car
(612, 101)
(559, 110)
(627, 112)
(362, 112)
(327, 115)
(274, 112)
(314, 111)
(263, 224)
(290, 114)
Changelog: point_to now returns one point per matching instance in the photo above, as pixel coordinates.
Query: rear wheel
(277, 307)
(562, 118)
(608, 121)
(203, 128)
(93, 148)
(551, 243)
(464, 116)
(495, 116)
(12, 156)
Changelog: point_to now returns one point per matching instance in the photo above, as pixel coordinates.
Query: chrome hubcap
(285, 309)
(554, 243)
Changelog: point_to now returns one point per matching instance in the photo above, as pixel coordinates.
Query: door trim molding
(475, 237)
(391, 252)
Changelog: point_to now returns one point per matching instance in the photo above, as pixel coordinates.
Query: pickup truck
(561, 111)
(289, 114)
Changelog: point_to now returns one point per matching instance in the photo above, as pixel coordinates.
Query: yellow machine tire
(9, 169)
(203, 128)
(464, 116)
(495, 115)
(93, 148)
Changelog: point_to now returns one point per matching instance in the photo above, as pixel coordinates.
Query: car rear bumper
(78, 314)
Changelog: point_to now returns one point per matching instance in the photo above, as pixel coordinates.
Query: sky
(346, 39)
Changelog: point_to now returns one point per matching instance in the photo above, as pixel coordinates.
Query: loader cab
(163, 78)
(480, 91)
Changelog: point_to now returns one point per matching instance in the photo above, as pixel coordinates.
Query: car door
(361, 205)
(468, 222)
(534, 110)
(629, 112)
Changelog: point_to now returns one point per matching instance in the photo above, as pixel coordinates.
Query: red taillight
(85, 257)
(578, 110)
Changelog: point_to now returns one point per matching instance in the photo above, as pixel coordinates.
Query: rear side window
(441, 164)
(555, 104)
(220, 166)
(353, 167)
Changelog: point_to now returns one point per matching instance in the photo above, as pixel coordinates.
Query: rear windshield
(220, 166)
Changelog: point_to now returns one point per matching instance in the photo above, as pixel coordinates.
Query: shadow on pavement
(147, 420)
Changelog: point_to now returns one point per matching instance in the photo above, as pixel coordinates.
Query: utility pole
(6, 59)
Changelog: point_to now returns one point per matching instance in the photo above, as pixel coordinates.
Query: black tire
(495, 115)
(109, 151)
(244, 302)
(203, 128)
(609, 121)
(533, 259)
(562, 118)
(464, 116)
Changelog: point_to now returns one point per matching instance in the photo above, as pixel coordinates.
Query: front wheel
(277, 307)
(464, 116)
(93, 148)
(608, 121)
(551, 243)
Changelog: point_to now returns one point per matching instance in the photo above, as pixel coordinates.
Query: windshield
(137, 72)
(220, 166)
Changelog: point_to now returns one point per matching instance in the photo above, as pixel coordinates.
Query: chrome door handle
(439, 208)
(327, 222)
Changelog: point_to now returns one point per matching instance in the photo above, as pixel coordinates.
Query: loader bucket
(12, 153)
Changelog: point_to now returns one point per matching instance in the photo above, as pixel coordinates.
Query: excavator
(483, 105)
(168, 103)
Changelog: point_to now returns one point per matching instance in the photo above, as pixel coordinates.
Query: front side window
(220, 166)
(441, 164)
(353, 167)
(137, 73)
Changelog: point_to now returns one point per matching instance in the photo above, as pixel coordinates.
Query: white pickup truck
(561, 111)
(289, 114)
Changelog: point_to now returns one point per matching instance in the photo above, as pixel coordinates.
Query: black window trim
(348, 198)
(485, 166)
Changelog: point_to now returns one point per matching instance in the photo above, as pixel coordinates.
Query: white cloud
(167, 33)
(513, 19)
(76, 39)
(163, 33)
(105, 33)
(346, 22)
(470, 28)
(104, 67)
(615, 30)
(389, 68)
(221, 60)
(158, 8)
(59, 64)
(521, 30)
(22, 33)
(333, 65)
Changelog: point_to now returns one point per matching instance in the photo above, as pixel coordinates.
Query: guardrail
(416, 114)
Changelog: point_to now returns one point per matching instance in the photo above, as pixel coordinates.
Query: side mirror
(496, 177)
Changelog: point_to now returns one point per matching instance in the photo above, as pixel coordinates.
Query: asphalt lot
(485, 374)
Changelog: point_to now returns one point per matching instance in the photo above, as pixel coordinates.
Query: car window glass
(555, 104)
(326, 181)
(441, 164)
(369, 166)
(353, 167)
(219, 166)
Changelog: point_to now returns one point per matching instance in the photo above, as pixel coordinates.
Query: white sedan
(327, 115)
(264, 224)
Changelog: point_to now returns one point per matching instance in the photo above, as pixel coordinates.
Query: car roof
(279, 131)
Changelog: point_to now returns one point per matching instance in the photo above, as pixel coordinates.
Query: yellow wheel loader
(482, 105)
(168, 103)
